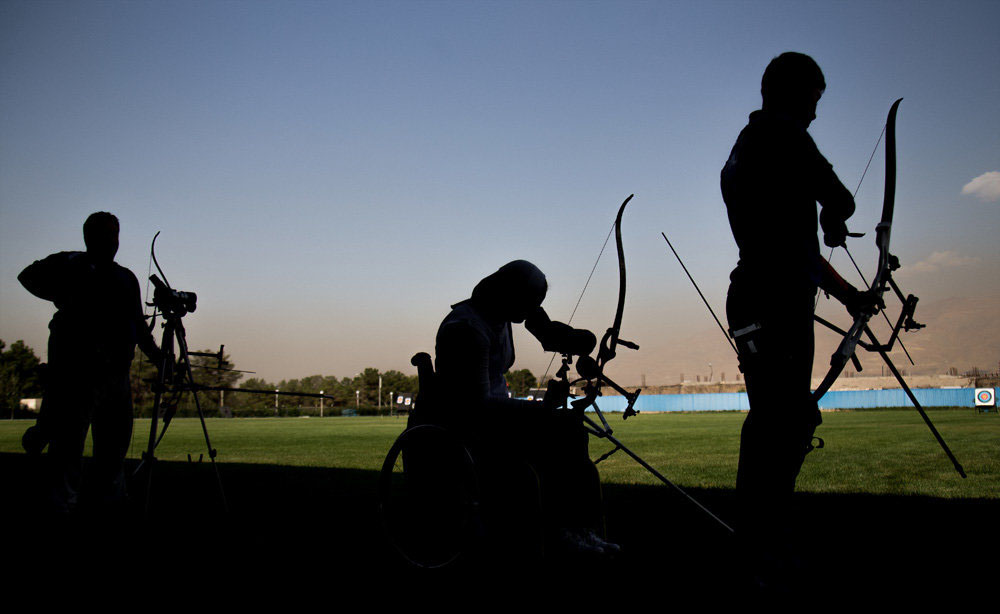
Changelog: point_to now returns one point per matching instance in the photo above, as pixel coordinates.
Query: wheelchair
(439, 503)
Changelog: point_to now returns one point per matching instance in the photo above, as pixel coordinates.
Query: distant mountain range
(961, 333)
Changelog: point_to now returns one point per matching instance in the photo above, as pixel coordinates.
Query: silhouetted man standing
(92, 340)
(771, 183)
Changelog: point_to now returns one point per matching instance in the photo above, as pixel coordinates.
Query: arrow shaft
(703, 299)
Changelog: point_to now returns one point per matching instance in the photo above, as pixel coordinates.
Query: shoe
(592, 537)
(575, 542)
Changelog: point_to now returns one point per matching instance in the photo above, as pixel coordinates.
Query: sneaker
(592, 537)
(576, 542)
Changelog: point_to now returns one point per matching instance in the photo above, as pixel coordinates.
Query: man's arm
(836, 201)
(837, 204)
(833, 284)
(855, 300)
(147, 343)
(50, 278)
(143, 334)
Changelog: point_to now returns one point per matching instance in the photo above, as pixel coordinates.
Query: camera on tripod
(172, 302)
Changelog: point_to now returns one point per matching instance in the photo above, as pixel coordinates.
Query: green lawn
(877, 452)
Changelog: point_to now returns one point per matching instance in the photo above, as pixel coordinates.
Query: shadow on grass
(294, 521)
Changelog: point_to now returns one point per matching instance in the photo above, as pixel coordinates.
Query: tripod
(174, 377)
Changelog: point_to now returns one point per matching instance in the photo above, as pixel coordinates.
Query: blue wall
(840, 399)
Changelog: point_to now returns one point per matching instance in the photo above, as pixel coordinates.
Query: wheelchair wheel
(429, 497)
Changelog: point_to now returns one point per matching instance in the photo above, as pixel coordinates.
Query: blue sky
(330, 176)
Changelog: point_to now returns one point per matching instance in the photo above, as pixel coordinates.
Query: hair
(789, 73)
(96, 223)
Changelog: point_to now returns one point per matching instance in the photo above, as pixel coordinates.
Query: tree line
(22, 376)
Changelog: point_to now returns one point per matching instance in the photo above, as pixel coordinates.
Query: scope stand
(173, 329)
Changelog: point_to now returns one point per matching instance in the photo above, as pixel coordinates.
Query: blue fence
(839, 399)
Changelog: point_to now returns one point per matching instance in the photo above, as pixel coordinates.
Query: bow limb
(848, 345)
(884, 228)
(152, 253)
(621, 289)
(621, 265)
(609, 343)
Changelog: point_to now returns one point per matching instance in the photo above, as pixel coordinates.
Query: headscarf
(512, 293)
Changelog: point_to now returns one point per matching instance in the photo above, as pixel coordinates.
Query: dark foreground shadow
(303, 523)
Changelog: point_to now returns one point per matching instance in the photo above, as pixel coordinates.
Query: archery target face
(985, 397)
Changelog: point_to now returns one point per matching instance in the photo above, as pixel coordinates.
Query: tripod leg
(916, 404)
(212, 452)
(148, 457)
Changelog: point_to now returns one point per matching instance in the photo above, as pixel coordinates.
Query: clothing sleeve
(143, 335)
(463, 357)
(836, 206)
(831, 281)
(52, 278)
(558, 337)
(835, 199)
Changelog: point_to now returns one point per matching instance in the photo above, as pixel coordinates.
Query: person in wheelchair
(474, 349)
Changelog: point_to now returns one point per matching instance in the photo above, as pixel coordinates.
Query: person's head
(513, 292)
(100, 235)
(793, 84)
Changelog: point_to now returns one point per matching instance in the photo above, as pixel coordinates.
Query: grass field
(876, 452)
(881, 494)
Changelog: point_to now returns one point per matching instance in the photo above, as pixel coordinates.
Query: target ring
(985, 397)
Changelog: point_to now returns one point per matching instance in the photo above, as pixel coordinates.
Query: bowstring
(849, 255)
(580, 298)
(854, 196)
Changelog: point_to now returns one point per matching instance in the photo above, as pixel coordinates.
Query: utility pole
(321, 405)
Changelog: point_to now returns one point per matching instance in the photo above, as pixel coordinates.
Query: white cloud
(943, 260)
(985, 187)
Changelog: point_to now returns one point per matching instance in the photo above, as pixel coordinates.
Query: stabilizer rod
(620, 446)
(916, 404)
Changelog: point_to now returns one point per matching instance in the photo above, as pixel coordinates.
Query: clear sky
(330, 176)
